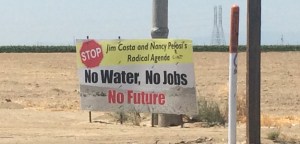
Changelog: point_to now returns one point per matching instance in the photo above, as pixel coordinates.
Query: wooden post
(90, 113)
(121, 117)
(90, 116)
(253, 71)
(154, 119)
(181, 117)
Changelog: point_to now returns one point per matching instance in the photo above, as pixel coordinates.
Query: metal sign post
(159, 30)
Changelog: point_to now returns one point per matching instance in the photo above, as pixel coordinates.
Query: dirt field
(39, 101)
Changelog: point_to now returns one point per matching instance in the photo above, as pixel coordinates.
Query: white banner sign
(155, 76)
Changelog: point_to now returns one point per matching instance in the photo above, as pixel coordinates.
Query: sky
(60, 22)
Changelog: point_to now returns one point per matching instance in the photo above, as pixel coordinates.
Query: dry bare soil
(39, 101)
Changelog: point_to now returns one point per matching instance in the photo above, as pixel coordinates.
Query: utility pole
(253, 70)
(160, 30)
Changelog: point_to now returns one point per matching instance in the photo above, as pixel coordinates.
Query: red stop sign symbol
(91, 53)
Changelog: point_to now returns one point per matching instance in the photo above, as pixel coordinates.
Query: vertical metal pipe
(160, 19)
(233, 53)
(159, 30)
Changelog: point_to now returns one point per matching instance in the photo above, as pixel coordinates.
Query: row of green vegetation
(242, 48)
(37, 49)
(196, 48)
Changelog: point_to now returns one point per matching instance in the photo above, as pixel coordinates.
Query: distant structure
(282, 40)
(218, 33)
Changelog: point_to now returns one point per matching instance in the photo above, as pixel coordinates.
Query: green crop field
(196, 48)
(37, 49)
(264, 48)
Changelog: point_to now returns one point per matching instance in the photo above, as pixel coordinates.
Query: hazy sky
(59, 22)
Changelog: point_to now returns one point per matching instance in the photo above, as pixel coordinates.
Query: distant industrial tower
(218, 33)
